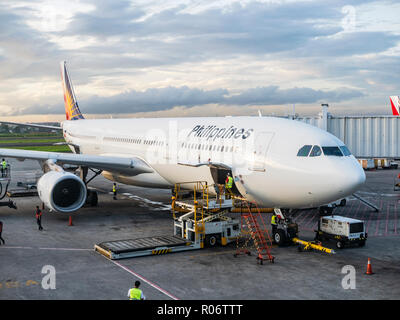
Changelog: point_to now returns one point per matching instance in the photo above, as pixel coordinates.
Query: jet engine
(61, 191)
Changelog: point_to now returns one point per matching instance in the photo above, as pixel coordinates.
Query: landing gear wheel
(92, 198)
(211, 240)
(280, 237)
(361, 243)
(339, 244)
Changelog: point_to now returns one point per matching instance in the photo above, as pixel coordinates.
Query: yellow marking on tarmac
(17, 284)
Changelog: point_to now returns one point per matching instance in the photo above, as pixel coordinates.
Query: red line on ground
(358, 210)
(305, 216)
(145, 280)
(364, 216)
(311, 220)
(300, 215)
(387, 220)
(395, 218)
(378, 220)
(369, 221)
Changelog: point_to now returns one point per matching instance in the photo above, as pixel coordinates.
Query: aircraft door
(261, 146)
(219, 176)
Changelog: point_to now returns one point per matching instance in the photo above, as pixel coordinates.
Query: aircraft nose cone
(351, 179)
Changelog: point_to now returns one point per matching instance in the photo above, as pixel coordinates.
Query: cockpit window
(316, 151)
(304, 151)
(332, 151)
(345, 150)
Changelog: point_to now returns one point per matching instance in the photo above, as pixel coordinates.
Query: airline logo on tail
(72, 111)
(395, 104)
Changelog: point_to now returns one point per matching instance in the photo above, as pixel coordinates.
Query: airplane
(395, 104)
(275, 162)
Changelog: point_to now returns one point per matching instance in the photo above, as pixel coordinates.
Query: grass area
(31, 141)
(33, 134)
(62, 148)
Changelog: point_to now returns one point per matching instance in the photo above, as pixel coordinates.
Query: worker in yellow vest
(228, 185)
(135, 293)
(114, 189)
(3, 168)
(274, 223)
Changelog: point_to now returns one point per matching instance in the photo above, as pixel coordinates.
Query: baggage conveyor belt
(130, 248)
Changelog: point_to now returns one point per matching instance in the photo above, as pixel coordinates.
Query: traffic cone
(70, 221)
(369, 268)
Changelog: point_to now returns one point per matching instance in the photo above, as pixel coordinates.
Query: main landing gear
(92, 197)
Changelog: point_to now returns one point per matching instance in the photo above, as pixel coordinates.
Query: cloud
(148, 56)
(158, 99)
(273, 95)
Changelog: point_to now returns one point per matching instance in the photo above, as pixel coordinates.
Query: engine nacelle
(61, 191)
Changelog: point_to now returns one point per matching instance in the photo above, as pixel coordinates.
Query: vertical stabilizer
(394, 102)
(72, 111)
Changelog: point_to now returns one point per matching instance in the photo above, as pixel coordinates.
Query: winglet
(395, 104)
(72, 111)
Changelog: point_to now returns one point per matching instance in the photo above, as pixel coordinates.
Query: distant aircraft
(278, 163)
(395, 104)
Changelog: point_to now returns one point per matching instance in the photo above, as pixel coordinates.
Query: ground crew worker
(217, 191)
(228, 185)
(274, 223)
(3, 168)
(1, 230)
(135, 293)
(115, 191)
(398, 184)
(39, 218)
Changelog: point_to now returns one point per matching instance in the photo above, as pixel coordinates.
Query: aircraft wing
(32, 125)
(126, 165)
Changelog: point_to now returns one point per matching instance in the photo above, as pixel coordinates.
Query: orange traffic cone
(70, 221)
(369, 268)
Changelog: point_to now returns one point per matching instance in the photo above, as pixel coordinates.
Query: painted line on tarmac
(145, 280)
(32, 248)
(378, 220)
(65, 249)
(387, 220)
(395, 218)
(8, 247)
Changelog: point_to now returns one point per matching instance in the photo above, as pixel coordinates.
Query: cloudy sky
(198, 58)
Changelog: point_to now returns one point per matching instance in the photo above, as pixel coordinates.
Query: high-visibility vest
(229, 183)
(4, 164)
(114, 188)
(135, 294)
(273, 219)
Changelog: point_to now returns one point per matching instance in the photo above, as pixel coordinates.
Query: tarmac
(206, 274)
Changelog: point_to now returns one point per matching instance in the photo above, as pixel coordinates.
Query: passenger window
(332, 151)
(304, 151)
(315, 152)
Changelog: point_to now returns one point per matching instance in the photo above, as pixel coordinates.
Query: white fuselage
(261, 152)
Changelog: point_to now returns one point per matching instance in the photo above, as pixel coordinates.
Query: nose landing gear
(286, 229)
